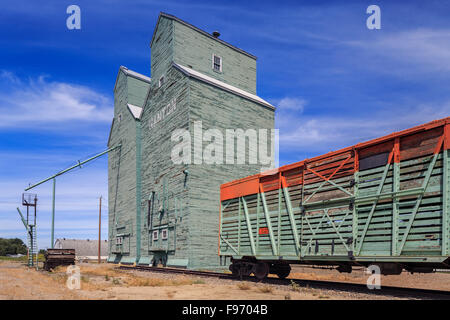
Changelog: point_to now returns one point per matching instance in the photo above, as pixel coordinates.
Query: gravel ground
(436, 281)
(105, 281)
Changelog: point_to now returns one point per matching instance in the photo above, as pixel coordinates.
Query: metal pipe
(23, 219)
(54, 183)
(72, 167)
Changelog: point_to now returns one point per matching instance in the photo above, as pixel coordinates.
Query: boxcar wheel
(261, 270)
(283, 272)
(234, 270)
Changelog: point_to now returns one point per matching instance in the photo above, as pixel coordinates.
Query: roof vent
(216, 34)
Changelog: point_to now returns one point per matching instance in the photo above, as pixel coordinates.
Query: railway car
(383, 202)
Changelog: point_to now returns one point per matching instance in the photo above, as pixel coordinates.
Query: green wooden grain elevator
(162, 211)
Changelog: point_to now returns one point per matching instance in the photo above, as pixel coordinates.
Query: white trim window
(164, 234)
(119, 240)
(161, 81)
(155, 235)
(217, 63)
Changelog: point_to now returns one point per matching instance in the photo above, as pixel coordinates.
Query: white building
(84, 249)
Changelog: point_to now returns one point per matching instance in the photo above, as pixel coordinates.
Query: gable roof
(134, 74)
(135, 111)
(131, 73)
(222, 85)
(169, 16)
(82, 247)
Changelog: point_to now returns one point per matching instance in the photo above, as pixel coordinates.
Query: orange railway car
(383, 202)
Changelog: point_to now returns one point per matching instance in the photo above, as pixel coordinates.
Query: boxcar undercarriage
(246, 266)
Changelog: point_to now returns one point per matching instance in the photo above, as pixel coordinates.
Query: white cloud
(9, 76)
(418, 50)
(292, 104)
(323, 133)
(40, 101)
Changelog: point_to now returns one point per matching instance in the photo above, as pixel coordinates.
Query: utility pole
(53, 214)
(99, 229)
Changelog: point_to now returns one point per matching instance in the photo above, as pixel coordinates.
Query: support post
(445, 194)
(418, 202)
(268, 222)
(139, 192)
(239, 226)
(99, 229)
(53, 213)
(249, 226)
(279, 215)
(287, 201)
(374, 205)
(257, 222)
(395, 201)
(355, 194)
(445, 205)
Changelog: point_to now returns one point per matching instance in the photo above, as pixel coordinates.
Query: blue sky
(334, 81)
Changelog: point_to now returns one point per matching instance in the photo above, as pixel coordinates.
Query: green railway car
(384, 202)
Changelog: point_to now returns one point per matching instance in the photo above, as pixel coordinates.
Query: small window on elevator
(217, 63)
(164, 234)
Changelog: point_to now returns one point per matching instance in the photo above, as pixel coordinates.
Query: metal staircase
(30, 200)
(32, 246)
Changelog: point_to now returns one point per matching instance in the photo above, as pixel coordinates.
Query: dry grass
(19, 282)
(104, 270)
(315, 276)
(295, 286)
(157, 282)
(100, 277)
(199, 281)
(266, 289)
(243, 286)
(92, 286)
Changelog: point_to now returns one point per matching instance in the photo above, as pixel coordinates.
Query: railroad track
(315, 284)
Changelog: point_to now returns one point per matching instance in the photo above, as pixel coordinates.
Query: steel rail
(404, 292)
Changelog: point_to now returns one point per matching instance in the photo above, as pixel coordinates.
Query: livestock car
(382, 202)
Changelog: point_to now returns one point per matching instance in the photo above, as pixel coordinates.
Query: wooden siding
(160, 174)
(221, 110)
(194, 50)
(162, 49)
(122, 191)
